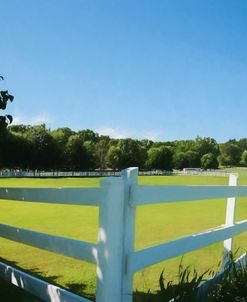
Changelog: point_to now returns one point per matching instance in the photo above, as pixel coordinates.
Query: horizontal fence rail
(43, 290)
(160, 194)
(69, 247)
(73, 196)
(147, 257)
(114, 255)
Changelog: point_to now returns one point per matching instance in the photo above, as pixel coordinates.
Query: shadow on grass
(12, 293)
(144, 297)
(161, 297)
(185, 289)
(76, 288)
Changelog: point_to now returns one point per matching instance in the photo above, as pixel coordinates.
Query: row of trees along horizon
(36, 147)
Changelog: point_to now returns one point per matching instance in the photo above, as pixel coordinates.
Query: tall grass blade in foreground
(232, 286)
(184, 290)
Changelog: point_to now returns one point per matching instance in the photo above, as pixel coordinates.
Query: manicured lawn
(155, 224)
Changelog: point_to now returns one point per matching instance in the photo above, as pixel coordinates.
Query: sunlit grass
(155, 224)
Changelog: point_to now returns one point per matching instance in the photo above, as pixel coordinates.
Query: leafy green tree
(127, 153)
(4, 144)
(88, 135)
(230, 154)
(146, 143)
(159, 158)
(242, 143)
(78, 156)
(101, 149)
(184, 146)
(62, 135)
(181, 160)
(188, 153)
(193, 158)
(132, 153)
(14, 150)
(40, 148)
(114, 158)
(90, 155)
(205, 145)
(7, 119)
(44, 152)
(188, 159)
(243, 161)
(19, 129)
(209, 161)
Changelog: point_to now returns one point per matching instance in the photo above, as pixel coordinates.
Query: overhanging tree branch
(7, 119)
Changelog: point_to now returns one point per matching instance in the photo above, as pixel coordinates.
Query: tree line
(36, 147)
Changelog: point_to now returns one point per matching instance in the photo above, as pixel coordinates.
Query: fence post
(230, 219)
(110, 242)
(129, 176)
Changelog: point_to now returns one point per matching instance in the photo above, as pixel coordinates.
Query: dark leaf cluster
(233, 284)
(183, 290)
(4, 98)
(229, 286)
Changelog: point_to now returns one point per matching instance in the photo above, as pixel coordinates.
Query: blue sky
(159, 69)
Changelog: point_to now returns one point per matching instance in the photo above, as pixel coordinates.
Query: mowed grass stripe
(155, 224)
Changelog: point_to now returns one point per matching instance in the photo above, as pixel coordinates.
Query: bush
(231, 286)
(185, 290)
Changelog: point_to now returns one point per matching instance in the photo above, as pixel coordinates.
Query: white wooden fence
(37, 173)
(114, 255)
(50, 174)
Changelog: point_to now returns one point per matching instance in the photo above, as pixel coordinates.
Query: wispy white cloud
(114, 133)
(35, 120)
(119, 133)
(152, 135)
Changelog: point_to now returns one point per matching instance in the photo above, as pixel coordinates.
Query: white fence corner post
(230, 220)
(130, 178)
(110, 242)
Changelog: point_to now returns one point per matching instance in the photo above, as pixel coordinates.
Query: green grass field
(155, 224)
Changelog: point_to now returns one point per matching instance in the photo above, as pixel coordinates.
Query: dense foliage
(183, 290)
(233, 285)
(229, 286)
(5, 97)
(36, 147)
